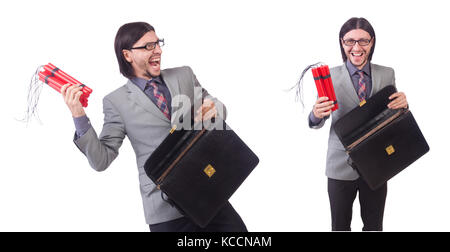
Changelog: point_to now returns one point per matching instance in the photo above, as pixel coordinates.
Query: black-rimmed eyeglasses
(352, 42)
(150, 45)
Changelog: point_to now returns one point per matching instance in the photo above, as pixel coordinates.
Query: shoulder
(338, 70)
(379, 69)
(338, 74)
(183, 70)
(117, 94)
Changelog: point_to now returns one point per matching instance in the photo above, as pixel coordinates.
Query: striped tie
(361, 86)
(161, 101)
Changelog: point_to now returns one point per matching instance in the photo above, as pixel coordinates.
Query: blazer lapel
(347, 82)
(174, 88)
(376, 81)
(136, 95)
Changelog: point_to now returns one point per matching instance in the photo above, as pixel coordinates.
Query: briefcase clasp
(209, 170)
(390, 150)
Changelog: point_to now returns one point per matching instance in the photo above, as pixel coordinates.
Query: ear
(127, 55)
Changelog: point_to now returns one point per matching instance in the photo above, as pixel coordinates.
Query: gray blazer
(347, 98)
(129, 112)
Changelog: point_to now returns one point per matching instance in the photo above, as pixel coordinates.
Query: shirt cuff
(82, 125)
(314, 120)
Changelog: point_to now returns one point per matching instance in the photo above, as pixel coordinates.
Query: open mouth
(155, 62)
(357, 54)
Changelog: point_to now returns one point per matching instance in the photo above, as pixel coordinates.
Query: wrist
(78, 113)
(316, 116)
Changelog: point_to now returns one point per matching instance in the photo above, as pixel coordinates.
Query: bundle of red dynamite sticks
(55, 78)
(324, 84)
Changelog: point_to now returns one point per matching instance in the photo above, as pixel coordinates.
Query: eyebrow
(357, 39)
(145, 43)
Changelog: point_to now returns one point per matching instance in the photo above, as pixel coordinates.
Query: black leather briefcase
(200, 169)
(381, 142)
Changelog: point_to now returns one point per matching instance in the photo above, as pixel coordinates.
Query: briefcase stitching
(160, 179)
(380, 126)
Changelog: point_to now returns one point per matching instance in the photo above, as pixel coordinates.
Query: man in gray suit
(354, 81)
(144, 110)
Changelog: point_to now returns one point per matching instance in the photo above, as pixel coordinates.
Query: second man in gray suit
(354, 81)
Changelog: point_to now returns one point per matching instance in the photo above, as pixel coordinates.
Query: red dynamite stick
(64, 76)
(318, 81)
(324, 77)
(329, 86)
(53, 85)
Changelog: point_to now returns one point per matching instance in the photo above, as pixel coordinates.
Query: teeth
(357, 54)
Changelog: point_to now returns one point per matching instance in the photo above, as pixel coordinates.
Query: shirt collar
(141, 83)
(352, 69)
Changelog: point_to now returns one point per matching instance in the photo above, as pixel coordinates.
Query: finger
(392, 104)
(398, 94)
(325, 107)
(210, 114)
(77, 96)
(397, 103)
(327, 113)
(207, 106)
(398, 99)
(324, 104)
(198, 115)
(63, 89)
(321, 99)
(69, 95)
(393, 96)
(400, 105)
(205, 102)
(72, 93)
(197, 118)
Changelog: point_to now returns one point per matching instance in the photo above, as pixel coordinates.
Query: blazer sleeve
(101, 151)
(393, 78)
(221, 109)
(316, 124)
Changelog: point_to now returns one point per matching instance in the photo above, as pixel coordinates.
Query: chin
(154, 73)
(359, 63)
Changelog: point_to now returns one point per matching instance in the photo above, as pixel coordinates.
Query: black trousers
(227, 220)
(343, 193)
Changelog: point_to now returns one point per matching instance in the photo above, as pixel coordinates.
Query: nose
(356, 46)
(157, 49)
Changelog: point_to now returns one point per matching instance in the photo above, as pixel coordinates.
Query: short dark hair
(352, 24)
(126, 37)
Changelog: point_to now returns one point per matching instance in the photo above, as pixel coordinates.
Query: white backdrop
(246, 53)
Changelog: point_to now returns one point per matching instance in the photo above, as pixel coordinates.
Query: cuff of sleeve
(313, 119)
(82, 125)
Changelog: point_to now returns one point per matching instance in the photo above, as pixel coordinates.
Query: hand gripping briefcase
(199, 170)
(381, 142)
